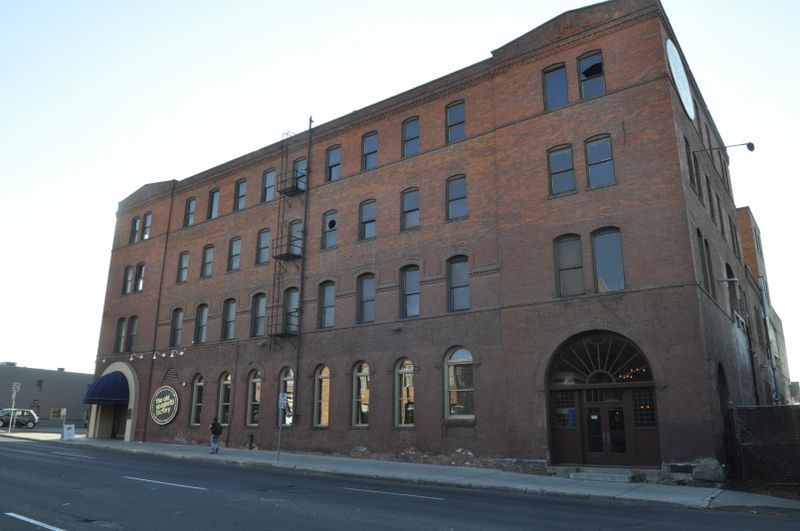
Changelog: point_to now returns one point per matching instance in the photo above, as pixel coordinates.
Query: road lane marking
(65, 454)
(34, 522)
(394, 493)
(164, 483)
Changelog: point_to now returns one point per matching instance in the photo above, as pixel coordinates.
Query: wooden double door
(605, 426)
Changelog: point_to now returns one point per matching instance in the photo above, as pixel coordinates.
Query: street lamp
(750, 147)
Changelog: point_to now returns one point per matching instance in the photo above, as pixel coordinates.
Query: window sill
(601, 186)
(459, 422)
(455, 220)
(410, 229)
(403, 427)
(563, 194)
(360, 427)
(324, 249)
(322, 428)
(366, 240)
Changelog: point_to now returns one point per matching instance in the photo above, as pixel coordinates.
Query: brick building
(536, 256)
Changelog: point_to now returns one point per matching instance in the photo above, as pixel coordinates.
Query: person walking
(216, 431)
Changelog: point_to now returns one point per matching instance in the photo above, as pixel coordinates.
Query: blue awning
(111, 388)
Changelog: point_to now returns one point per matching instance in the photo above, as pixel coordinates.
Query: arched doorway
(602, 403)
(114, 399)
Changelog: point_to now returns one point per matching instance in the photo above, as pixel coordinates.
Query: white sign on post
(15, 386)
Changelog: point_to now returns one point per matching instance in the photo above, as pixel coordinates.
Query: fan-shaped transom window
(600, 358)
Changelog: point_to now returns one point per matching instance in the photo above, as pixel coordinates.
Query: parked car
(22, 418)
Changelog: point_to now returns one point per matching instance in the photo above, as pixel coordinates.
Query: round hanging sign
(164, 405)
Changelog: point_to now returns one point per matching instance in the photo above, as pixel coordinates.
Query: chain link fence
(767, 443)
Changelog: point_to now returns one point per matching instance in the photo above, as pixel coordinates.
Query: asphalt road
(49, 486)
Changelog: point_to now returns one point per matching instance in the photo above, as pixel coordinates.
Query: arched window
(224, 404)
(590, 71)
(139, 283)
(554, 79)
(460, 385)
(369, 151)
(213, 204)
(361, 395)
(262, 246)
(599, 162)
(404, 393)
(322, 396)
(569, 265)
(183, 268)
(127, 280)
(456, 197)
(201, 324)
(329, 229)
(189, 211)
(239, 194)
(299, 173)
(176, 328)
(228, 319)
(600, 358)
(733, 297)
(291, 309)
(456, 122)
(130, 339)
(410, 137)
(409, 291)
(327, 295)
(234, 254)
(295, 243)
(197, 400)
(367, 224)
(458, 283)
(562, 175)
(258, 313)
(333, 162)
(253, 397)
(409, 205)
(365, 312)
(609, 273)
(287, 388)
(147, 225)
(119, 335)
(207, 267)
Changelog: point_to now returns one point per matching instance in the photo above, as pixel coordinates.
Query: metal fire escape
(284, 310)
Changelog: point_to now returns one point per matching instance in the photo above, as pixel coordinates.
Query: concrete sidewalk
(451, 476)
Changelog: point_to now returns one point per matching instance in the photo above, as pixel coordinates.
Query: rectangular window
(234, 254)
(291, 308)
(213, 204)
(458, 283)
(555, 88)
(322, 397)
(197, 400)
(689, 163)
(721, 219)
(409, 288)
(410, 208)
(570, 266)
(600, 163)
(253, 399)
(183, 267)
(369, 151)
(176, 330)
(327, 294)
(591, 74)
(268, 186)
(239, 195)
(366, 225)
(262, 247)
(456, 122)
(207, 268)
(329, 230)
(366, 298)
(411, 137)
(147, 226)
(188, 212)
(457, 197)
(334, 163)
(562, 177)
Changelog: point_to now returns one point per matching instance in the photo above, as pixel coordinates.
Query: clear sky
(98, 98)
